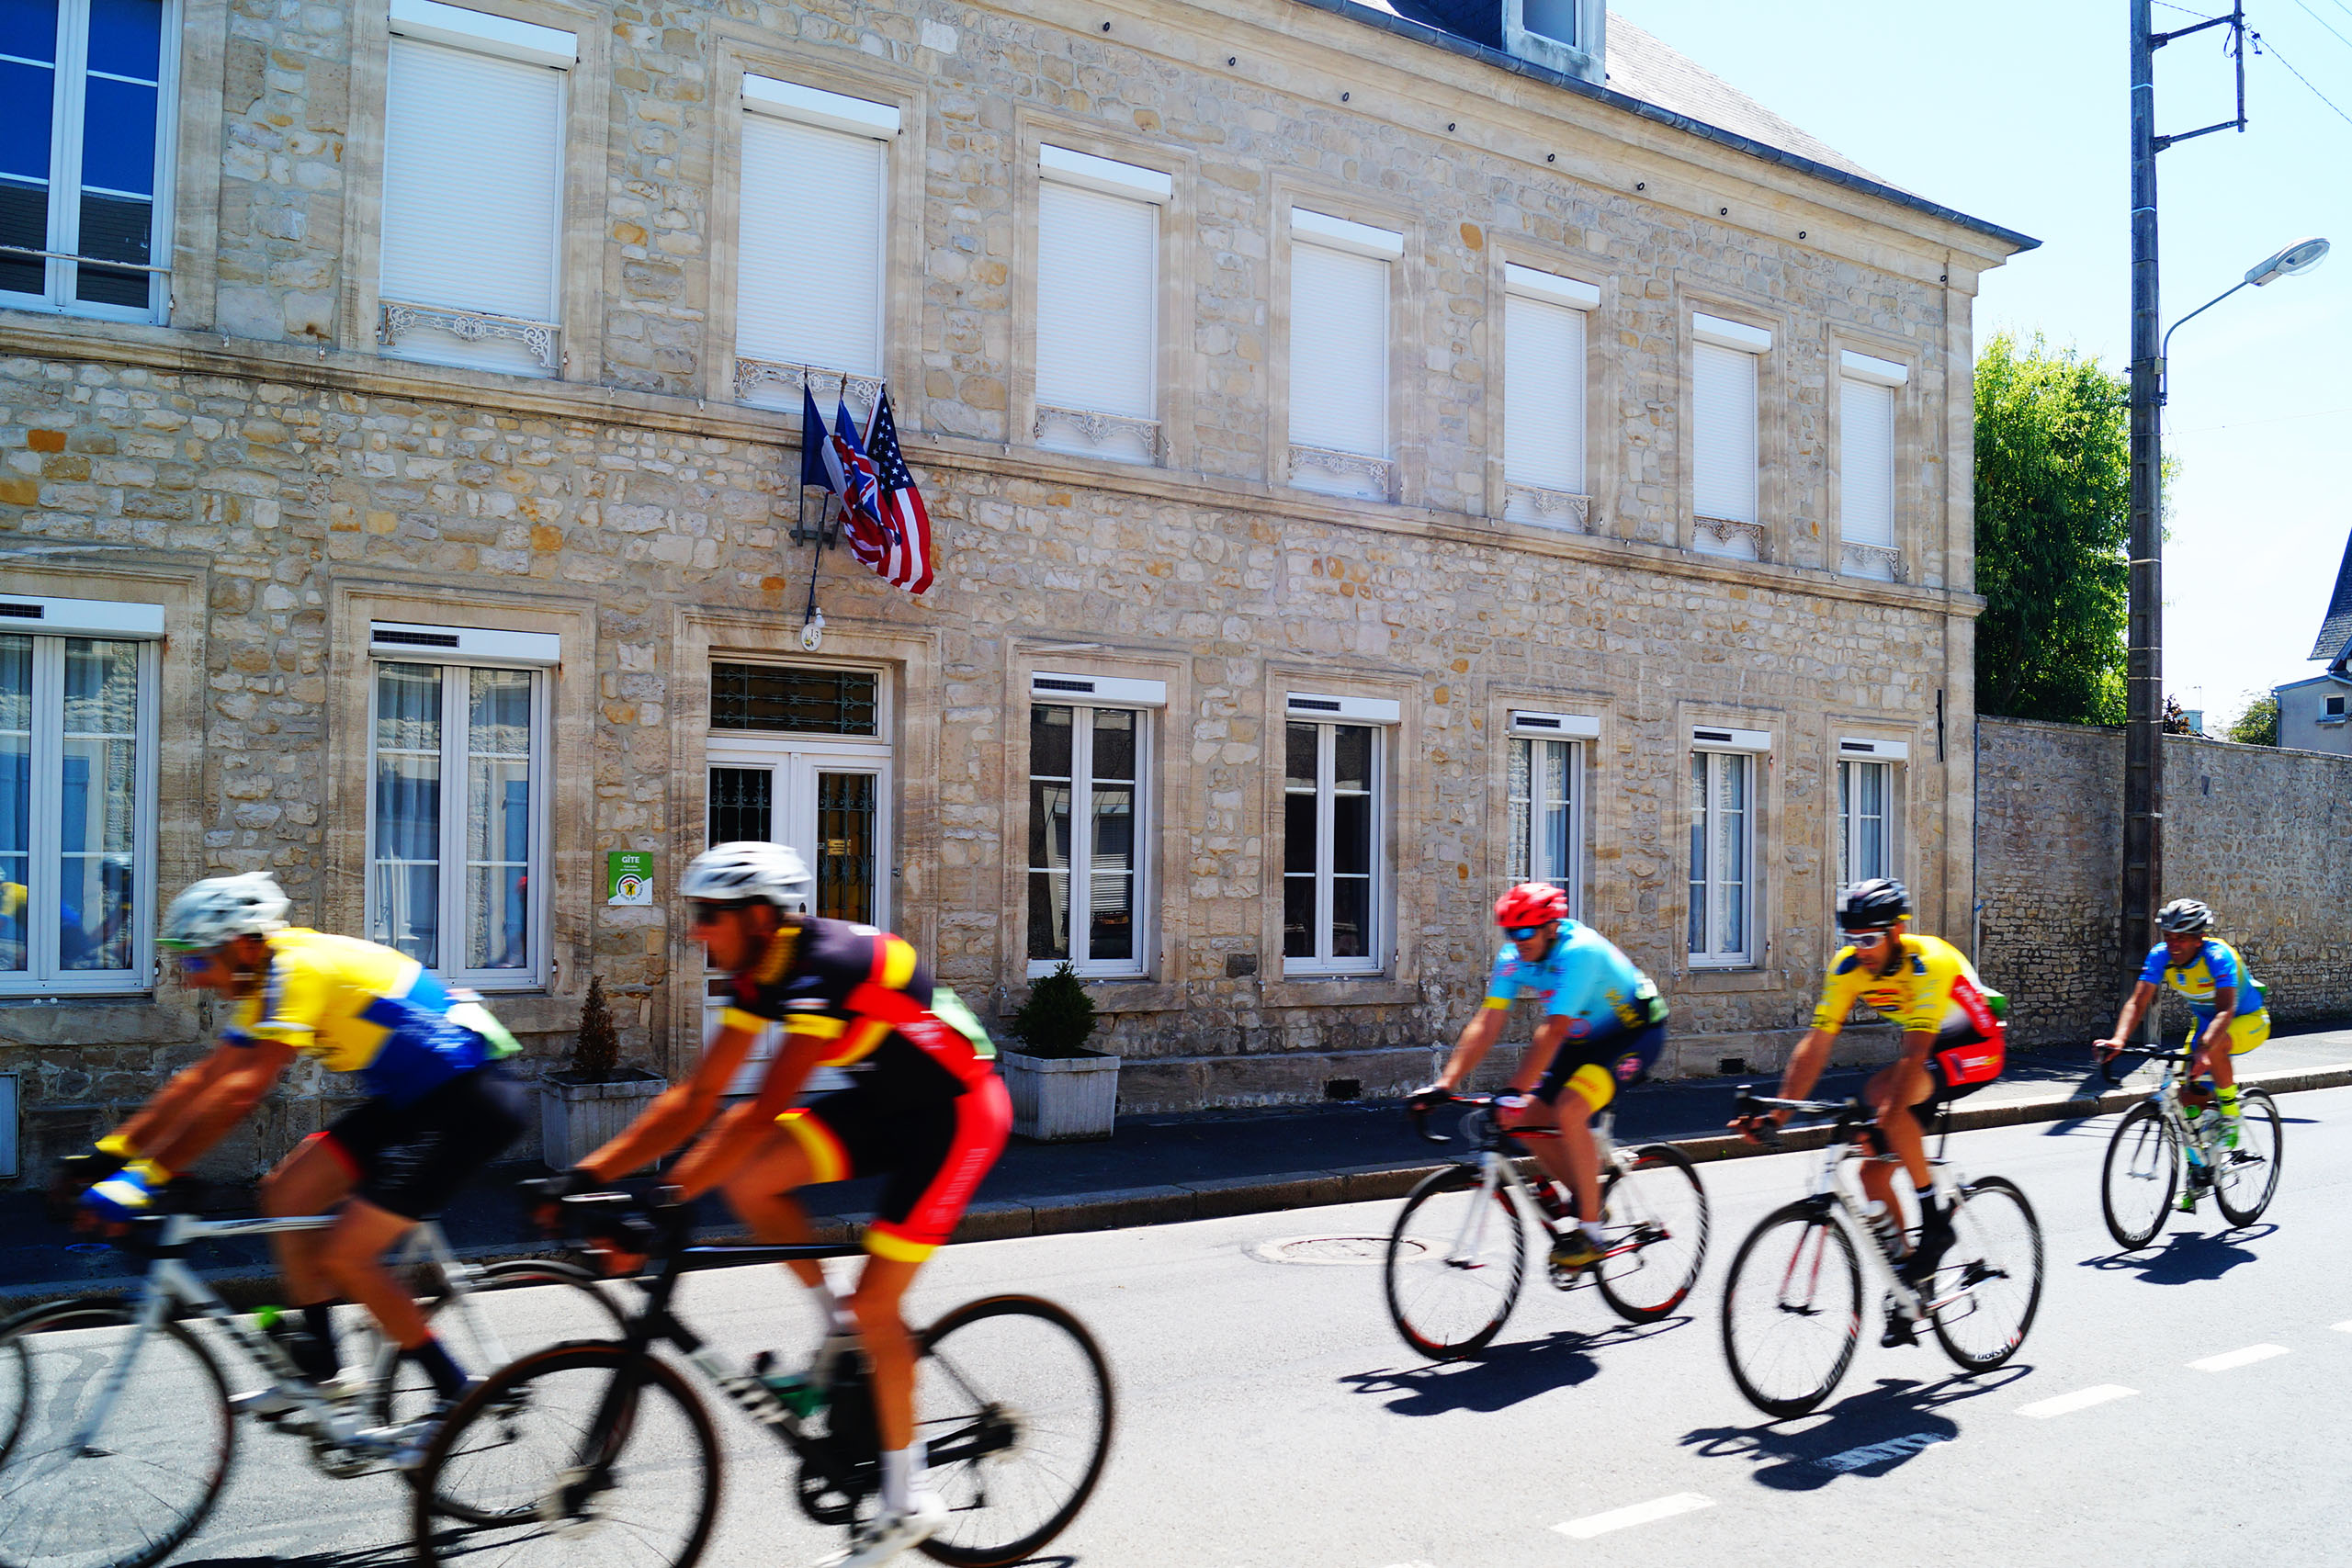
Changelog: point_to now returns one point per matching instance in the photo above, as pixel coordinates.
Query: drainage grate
(1341, 1251)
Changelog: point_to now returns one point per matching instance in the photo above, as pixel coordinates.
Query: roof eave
(1454, 43)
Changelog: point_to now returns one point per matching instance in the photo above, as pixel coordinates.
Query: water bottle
(1882, 1226)
(797, 1393)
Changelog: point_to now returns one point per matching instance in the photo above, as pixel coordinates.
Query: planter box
(576, 1118)
(1061, 1099)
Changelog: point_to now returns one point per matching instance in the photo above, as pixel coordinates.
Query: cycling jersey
(1584, 980)
(864, 991)
(2217, 964)
(1933, 988)
(362, 1009)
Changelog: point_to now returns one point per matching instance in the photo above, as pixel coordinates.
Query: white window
(1332, 850)
(1098, 291)
(1723, 846)
(77, 797)
(85, 156)
(1338, 354)
(458, 822)
(1866, 463)
(473, 188)
(1545, 814)
(1724, 367)
(811, 254)
(1865, 822)
(1544, 394)
(1089, 781)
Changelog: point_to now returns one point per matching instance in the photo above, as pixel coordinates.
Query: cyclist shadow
(1502, 1375)
(357, 1557)
(2187, 1258)
(1867, 1435)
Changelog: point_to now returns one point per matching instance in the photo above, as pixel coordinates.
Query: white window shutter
(1542, 394)
(1866, 463)
(1097, 264)
(472, 187)
(1723, 407)
(809, 258)
(1339, 351)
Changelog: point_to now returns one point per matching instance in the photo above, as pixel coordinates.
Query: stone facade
(260, 467)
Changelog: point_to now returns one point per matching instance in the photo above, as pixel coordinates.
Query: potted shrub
(1061, 1091)
(583, 1106)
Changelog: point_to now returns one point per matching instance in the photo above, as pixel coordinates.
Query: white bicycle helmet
(2183, 917)
(747, 871)
(222, 908)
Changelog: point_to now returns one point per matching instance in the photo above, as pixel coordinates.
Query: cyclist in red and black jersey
(925, 1107)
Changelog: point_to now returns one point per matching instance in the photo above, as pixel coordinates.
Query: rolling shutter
(1866, 463)
(1723, 407)
(1097, 266)
(809, 258)
(1338, 350)
(1543, 413)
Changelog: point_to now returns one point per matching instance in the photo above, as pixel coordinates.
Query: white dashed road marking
(2244, 1358)
(2081, 1399)
(1639, 1513)
(1879, 1453)
(2341, 1327)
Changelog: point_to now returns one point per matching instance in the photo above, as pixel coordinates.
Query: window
(84, 153)
(473, 188)
(455, 876)
(1338, 354)
(1722, 822)
(77, 804)
(1554, 18)
(1544, 400)
(811, 254)
(1087, 768)
(1866, 465)
(1865, 822)
(1722, 406)
(1331, 809)
(788, 699)
(1098, 270)
(1545, 835)
(2335, 707)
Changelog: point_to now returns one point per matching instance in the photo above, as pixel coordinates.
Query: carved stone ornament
(1728, 532)
(1551, 508)
(827, 385)
(1098, 428)
(398, 320)
(1860, 556)
(1342, 464)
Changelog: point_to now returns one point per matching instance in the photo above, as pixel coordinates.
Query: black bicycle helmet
(2183, 917)
(1867, 906)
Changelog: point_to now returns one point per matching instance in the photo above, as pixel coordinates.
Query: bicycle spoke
(1791, 1310)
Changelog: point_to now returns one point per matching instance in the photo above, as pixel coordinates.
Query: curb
(1219, 1198)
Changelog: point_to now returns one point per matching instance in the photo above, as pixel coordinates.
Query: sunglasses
(1866, 940)
(1522, 933)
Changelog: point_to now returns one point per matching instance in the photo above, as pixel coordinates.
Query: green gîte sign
(628, 877)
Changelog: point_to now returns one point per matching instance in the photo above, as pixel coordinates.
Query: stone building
(1373, 455)
(2312, 710)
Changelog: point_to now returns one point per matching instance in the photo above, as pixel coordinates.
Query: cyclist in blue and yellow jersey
(925, 1107)
(2232, 1016)
(440, 1105)
(1603, 1025)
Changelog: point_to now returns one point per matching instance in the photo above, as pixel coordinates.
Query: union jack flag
(901, 507)
(850, 474)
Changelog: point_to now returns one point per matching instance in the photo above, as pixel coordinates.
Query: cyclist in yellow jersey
(440, 1104)
(1952, 1046)
(2232, 1015)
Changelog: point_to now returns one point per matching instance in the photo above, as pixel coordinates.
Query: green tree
(2258, 725)
(2053, 517)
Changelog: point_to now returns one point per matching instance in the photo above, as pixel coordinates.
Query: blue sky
(2018, 113)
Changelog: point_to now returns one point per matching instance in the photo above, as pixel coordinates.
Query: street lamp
(2301, 257)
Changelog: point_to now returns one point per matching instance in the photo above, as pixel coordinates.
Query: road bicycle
(1457, 1256)
(117, 1424)
(603, 1452)
(1792, 1306)
(2179, 1126)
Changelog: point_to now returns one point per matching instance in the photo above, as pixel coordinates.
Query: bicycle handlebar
(1418, 1112)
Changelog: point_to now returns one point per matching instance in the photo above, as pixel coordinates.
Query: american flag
(901, 507)
(850, 473)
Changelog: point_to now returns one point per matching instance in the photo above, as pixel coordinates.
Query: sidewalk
(1159, 1169)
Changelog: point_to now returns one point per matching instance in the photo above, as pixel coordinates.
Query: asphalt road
(1270, 1417)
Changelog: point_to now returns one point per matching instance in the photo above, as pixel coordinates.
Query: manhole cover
(1331, 1249)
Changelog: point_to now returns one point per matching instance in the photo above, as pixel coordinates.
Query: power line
(2266, 46)
(2323, 21)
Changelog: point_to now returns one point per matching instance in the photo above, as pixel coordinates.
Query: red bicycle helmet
(1531, 904)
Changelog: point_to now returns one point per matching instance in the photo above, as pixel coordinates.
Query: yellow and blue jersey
(362, 1009)
(1932, 989)
(1584, 978)
(2217, 964)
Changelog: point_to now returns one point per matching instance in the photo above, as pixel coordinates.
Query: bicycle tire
(382, 1357)
(487, 1422)
(1664, 1162)
(175, 1434)
(945, 1381)
(1983, 1204)
(1410, 1260)
(2257, 1110)
(1818, 1225)
(2146, 1141)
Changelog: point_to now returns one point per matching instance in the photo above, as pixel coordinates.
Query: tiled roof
(2336, 630)
(1641, 67)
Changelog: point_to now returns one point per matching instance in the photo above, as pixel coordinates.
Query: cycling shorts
(411, 1160)
(2247, 1031)
(1962, 1060)
(1599, 1065)
(935, 1148)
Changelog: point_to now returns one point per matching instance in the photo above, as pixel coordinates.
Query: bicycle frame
(1500, 1171)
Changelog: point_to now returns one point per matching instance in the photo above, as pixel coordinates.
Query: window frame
(1703, 824)
(1320, 965)
(1850, 826)
(1521, 851)
(61, 268)
(1066, 426)
(1080, 870)
(1343, 470)
(456, 742)
(1535, 287)
(42, 974)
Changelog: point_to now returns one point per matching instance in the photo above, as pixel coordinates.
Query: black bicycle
(603, 1451)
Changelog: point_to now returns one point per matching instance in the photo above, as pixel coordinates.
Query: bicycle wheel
(1456, 1263)
(1656, 1214)
(519, 1448)
(2247, 1178)
(141, 1483)
(523, 1304)
(1792, 1309)
(1014, 1407)
(2143, 1168)
(1984, 1294)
